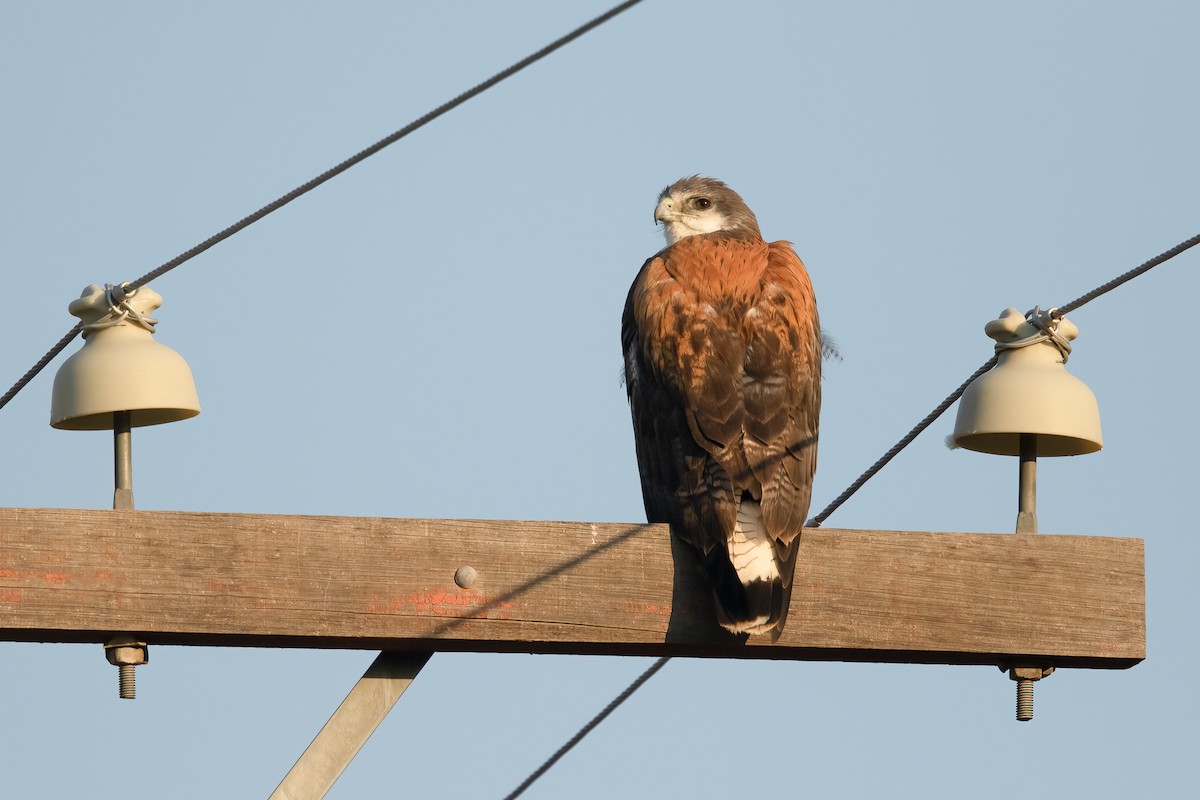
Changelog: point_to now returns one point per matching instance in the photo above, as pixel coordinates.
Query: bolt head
(123, 656)
(465, 576)
(1029, 673)
(125, 650)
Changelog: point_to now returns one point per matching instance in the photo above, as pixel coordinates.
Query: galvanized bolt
(465, 576)
(1025, 676)
(126, 652)
(1024, 700)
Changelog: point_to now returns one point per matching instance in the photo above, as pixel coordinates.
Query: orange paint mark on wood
(7, 573)
(441, 603)
(11, 595)
(55, 577)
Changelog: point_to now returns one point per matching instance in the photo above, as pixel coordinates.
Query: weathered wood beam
(377, 583)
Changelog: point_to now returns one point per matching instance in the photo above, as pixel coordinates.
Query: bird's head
(696, 205)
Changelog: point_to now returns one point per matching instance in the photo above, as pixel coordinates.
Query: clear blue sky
(435, 334)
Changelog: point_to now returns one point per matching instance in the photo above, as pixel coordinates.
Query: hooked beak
(663, 212)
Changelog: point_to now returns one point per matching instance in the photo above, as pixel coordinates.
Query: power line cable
(24, 380)
(429, 117)
(1143, 268)
(246, 221)
(586, 729)
(816, 521)
(1166, 255)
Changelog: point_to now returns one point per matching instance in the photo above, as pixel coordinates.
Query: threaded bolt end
(1024, 700)
(128, 687)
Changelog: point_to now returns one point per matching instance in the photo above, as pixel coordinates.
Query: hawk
(723, 371)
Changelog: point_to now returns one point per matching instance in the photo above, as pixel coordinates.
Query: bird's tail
(753, 578)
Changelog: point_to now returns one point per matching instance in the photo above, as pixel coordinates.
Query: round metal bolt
(465, 576)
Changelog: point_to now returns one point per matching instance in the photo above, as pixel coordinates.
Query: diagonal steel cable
(332, 172)
(1166, 255)
(816, 521)
(41, 363)
(586, 729)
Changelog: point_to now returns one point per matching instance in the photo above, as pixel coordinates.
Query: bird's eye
(701, 203)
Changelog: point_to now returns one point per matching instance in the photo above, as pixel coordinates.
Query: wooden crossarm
(557, 587)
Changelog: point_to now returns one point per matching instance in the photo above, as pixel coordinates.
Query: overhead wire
(870, 472)
(450, 105)
(1146, 266)
(586, 729)
(858, 484)
(904, 442)
(332, 172)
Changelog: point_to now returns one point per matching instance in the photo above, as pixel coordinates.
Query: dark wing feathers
(789, 314)
(681, 483)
